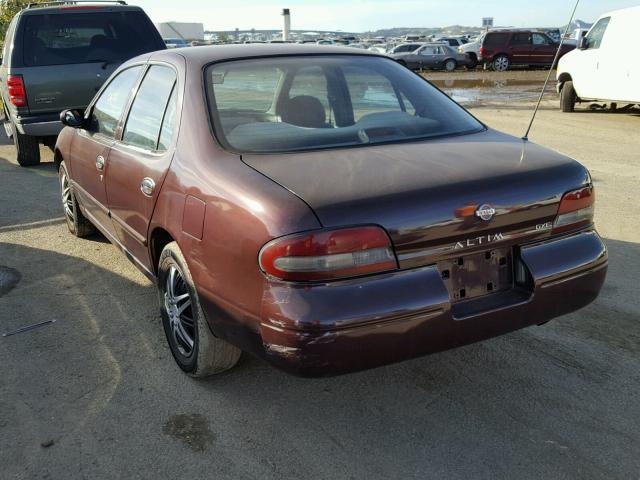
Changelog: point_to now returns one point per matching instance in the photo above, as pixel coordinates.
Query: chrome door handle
(100, 162)
(147, 186)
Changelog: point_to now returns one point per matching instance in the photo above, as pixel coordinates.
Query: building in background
(182, 30)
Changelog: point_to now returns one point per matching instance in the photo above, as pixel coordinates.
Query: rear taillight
(482, 51)
(17, 93)
(576, 210)
(328, 254)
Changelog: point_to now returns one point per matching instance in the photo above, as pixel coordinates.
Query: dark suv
(56, 56)
(504, 48)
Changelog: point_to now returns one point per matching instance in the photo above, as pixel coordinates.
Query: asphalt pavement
(96, 394)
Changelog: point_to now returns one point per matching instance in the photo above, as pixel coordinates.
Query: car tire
(473, 63)
(76, 221)
(194, 347)
(27, 148)
(450, 65)
(501, 63)
(568, 97)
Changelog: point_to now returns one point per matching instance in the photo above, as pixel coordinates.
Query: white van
(603, 68)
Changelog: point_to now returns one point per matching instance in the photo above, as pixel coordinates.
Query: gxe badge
(485, 212)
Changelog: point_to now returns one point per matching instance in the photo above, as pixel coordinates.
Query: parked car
(454, 42)
(501, 49)
(405, 48)
(335, 213)
(599, 70)
(379, 48)
(176, 43)
(57, 56)
(472, 50)
(434, 56)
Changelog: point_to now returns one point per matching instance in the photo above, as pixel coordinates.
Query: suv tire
(27, 148)
(568, 97)
(501, 63)
(194, 347)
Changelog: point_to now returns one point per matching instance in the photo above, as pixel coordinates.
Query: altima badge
(485, 212)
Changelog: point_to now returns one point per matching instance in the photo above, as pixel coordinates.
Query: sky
(365, 15)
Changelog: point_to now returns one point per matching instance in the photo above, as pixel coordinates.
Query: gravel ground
(97, 395)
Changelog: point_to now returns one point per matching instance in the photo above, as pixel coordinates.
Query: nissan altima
(323, 208)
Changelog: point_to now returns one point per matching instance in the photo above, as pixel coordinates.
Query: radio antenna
(555, 62)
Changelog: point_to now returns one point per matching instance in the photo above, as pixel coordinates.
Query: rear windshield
(496, 39)
(284, 104)
(63, 39)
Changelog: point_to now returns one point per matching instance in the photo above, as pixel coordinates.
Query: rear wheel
(76, 221)
(567, 97)
(501, 63)
(196, 350)
(450, 65)
(27, 148)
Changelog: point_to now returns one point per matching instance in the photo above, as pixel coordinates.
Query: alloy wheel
(178, 305)
(501, 64)
(66, 196)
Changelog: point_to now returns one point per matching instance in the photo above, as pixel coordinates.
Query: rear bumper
(46, 125)
(368, 322)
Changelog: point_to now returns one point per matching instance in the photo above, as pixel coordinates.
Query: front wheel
(195, 349)
(501, 63)
(450, 65)
(568, 97)
(76, 221)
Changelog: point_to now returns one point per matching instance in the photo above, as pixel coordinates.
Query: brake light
(328, 254)
(576, 210)
(482, 51)
(17, 92)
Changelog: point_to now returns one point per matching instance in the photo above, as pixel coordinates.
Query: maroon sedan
(322, 208)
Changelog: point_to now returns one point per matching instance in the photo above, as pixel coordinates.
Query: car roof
(215, 53)
(70, 8)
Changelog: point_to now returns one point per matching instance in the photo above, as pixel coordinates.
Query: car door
(588, 77)
(543, 49)
(427, 57)
(520, 47)
(89, 152)
(140, 158)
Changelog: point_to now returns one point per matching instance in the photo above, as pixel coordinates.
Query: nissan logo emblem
(485, 212)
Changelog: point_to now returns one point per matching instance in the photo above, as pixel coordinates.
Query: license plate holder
(477, 274)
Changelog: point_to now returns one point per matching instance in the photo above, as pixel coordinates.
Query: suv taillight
(482, 51)
(328, 254)
(576, 210)
(17, 93)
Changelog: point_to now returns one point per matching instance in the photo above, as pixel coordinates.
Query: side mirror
(583, 44)
(72, 118)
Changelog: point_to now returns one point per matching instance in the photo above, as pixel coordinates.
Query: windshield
(284, 104)
(87, 37)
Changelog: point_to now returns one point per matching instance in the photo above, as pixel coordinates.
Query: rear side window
(147, 111)
(496, 39)
(521, 39)
(596, 34)
(109, 107)
(63, 39)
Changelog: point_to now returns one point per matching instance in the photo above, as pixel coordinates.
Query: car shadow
(485, 410)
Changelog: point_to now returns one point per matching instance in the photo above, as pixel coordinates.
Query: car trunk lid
(426, 194)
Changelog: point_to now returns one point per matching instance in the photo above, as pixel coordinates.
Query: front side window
(539, 39)
(147, 111)
(330, 101)
(108, 108)
(73, 38)
(594, 38)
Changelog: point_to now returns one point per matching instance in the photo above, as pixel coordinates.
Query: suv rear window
(63, 39)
